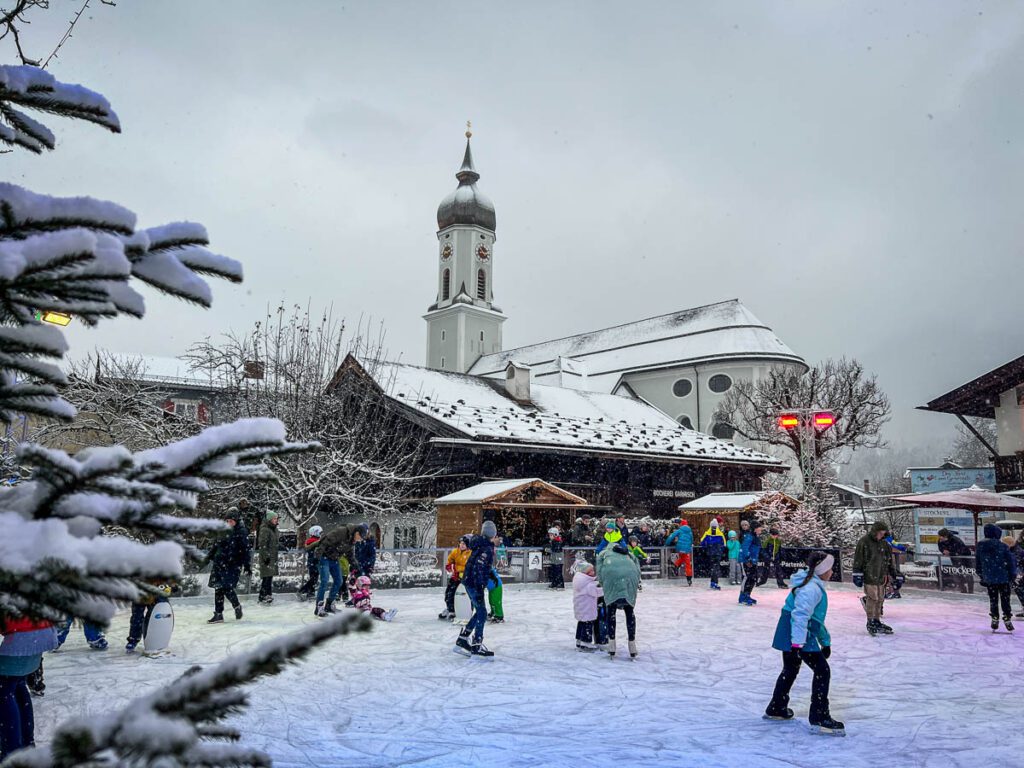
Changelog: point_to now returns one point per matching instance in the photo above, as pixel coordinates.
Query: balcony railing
(1009, 473)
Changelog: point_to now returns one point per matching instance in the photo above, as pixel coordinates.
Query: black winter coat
(995, 563)
(366, 555)
(229, 556)
(481, 560)
(955, 546)
(337, 543)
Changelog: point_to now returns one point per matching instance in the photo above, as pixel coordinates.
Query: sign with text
(934, 480)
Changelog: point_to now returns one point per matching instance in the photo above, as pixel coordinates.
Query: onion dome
(466, 205)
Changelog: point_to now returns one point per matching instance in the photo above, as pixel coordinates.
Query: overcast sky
(854, 173)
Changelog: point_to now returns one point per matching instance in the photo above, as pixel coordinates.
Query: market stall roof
(731, 501)
(980, 396)
(494, 490)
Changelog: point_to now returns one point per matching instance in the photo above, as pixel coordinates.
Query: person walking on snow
(873, 568)
(455, 567)
(267, 546)
(475, 578)
(733, 548)
(713, 544)
(750, 556)
(619, 575)
(802, 638)
(230, 555)
(332, 548)
(682, 539)
(556, 553)
(997, 570)
(585, 592)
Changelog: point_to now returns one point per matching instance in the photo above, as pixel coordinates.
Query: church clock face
(446, 252)
(482, 253)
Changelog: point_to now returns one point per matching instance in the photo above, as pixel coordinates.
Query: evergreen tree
(62, 553)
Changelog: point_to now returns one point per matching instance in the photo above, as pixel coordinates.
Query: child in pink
(361, 599)
(585, 592)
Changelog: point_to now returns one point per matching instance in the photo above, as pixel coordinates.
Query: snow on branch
(181, 724)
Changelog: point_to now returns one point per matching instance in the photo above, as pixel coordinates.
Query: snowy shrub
(86, 532)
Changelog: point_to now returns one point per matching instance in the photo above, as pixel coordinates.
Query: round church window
(682, 388)
(719, 383)
(723, 431)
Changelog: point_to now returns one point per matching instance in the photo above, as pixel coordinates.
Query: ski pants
(267, 586)
(587, 631)
(998, 596)
(874, 596)
(791, 661)
(479, 618)
(494, 601)
(140, 620)
(685, 559)
(329, 569)
(735, 572)
(17, 722)
(92, 631)
(715, 568)
(218, 598)
(449, 594)
(750, 577)
(630, 618)
(555, 575)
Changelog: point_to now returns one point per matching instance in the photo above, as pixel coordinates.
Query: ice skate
(584, 648)
(238, 612)
(480, 651)
(217, 618)
(689, 581)
(770, 715)
(131, 645)
(329, 607)
(995, 623)
(389, 615)
(445, 615)
(100, 644)
(872, 629)
(885, 629)
(497, 620)
(319, 610)
(714, 585)
(462, 646)
(828, 726)
(632, 649)
(611, 647)
(1008, 622)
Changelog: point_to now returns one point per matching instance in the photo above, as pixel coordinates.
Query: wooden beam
(977, 434)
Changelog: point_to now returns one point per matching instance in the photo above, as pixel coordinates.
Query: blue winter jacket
(713, 544)
(802, 620)
(683, 539)
(995, 564)
(480, 563)
(750, 548)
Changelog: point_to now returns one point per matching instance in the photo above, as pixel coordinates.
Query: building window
(442, 362)
(481, 285)
(723, 431)
(446, 284)
(442, 335)
(406, 537)
(682, 388)
(719, 383)
(685, 421)
(481, 335)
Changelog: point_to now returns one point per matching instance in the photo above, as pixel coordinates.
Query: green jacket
(619, 575)
(267, 548)
(873, 558)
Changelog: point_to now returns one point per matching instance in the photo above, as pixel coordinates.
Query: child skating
(732, 546)
(585, 593)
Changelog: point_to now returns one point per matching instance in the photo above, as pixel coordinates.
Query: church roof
(723, 331)
(467, 204)
(478, 410)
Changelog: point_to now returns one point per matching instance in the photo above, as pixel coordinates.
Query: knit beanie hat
(232, 514)
(271, 514)
(489, 529)
(732, 534)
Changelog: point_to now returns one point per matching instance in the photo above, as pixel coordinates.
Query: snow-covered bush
(85, 532)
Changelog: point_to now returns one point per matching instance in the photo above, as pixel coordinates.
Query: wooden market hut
(732, 507)
(522, 509)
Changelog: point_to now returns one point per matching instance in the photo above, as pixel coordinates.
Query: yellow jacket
(459, 558)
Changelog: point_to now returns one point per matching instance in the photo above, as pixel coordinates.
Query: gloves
(858, 580)
(826, 651)
(450, 568)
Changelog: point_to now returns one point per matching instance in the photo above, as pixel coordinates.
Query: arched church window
(481, 285)
(446, 285)
(723, 431)
(685, 421)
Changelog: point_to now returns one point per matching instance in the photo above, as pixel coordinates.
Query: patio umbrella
(973, 499)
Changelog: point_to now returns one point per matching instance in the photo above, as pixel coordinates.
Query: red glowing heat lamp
(824, 419)
(789, 421)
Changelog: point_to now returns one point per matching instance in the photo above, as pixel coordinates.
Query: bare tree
(967, 450)
(282, 368)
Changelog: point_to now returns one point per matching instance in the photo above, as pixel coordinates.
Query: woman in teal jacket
(803, 639)
(619, 575)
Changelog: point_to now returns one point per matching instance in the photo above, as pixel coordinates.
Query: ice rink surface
(943, 691)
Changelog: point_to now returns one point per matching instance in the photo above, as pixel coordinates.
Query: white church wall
(1010, 422)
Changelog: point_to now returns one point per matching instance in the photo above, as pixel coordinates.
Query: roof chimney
(517, 381)
(867, 485)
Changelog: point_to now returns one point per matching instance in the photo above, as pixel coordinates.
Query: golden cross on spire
(469, 129)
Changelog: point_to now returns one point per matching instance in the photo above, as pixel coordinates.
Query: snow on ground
(943, 690)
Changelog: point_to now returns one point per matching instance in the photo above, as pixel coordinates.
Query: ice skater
(332, 549)
(478, 571)
(455, 567)
(21, 653)
(682, 538)
(713, 544)
(267, 545)
(496, 614)
(750, 558)
(874, 568)
(556, 553)
(361, 599)
(230, 556)
(997, 569)
(802, 638)
(619, 575)
(585, 593)
(735, 569)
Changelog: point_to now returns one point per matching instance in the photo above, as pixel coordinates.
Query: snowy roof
(723, 331)
(725, 500)
(489, 490)
(160, 370)
(853, 490)
(479, 409)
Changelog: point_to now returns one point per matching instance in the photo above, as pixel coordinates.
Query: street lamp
(54, 318)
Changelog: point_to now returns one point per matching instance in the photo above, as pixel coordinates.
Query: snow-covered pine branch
(182, 723)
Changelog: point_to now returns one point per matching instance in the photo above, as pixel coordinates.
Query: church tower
(464, 323)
